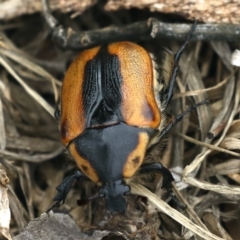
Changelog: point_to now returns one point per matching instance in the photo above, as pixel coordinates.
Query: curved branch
(152, 28)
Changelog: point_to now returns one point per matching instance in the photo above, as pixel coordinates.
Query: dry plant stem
(27, 191)
(2, 125)
(189, 209)
(202, 156)
(17, 55)
(141, 30)
(20, 208)
(224, 114)
(5, 215)
(231, 166)
(202, 32)
(194, 82)
(52, 22)
(213, 224)
(214, 187)
(224, 52)
(30, 65)
(68, 38)
(177, 216)
(210, 146)
(30, 158)
(33, 68)
(197, 92)
(30, 91)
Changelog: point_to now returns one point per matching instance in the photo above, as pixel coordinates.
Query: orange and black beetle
(110, 115)
(113, 110)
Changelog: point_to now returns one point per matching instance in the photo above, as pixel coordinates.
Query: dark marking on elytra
(147, 111)
(64, 129)
(136, 160)
(85, 168)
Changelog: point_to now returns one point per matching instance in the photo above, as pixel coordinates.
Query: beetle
(113, 110)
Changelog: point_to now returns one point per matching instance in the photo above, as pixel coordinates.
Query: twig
(37, 158)
(152, 28)
(220, 189)
(189, 208)
(217, 32)
(210, 146)
(197, 92)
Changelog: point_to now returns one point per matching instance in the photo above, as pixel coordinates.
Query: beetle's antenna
(176, 64)
(51, 21)
(180, 51)
(180, 116)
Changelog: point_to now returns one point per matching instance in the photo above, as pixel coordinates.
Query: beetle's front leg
(65, 186)
(167, 178)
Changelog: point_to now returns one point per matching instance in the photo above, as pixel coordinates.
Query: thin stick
(227, 190)
(152, 28)
(197, 92)
(29, 90)
(189, 208)
(210, 146)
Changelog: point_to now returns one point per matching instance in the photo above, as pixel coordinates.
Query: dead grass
(203, 150)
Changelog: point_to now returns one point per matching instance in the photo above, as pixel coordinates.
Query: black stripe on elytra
(102, 89)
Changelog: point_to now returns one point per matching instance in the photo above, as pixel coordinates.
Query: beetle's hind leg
(65, 186)
(177, 56)
(167, 178)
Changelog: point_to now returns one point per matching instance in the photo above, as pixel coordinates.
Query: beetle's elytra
(108, 120)
(110, 113)
(113, 108)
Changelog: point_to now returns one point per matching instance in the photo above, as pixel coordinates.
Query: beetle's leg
(176, 65)
(158, 168)
(179, 117)
(65, 186)
(167, 178)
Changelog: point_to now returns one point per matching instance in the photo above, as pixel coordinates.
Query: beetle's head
(114, 194)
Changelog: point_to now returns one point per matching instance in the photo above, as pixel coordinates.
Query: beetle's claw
(64, 188)
(175, 199)
(53, 206)
(167, 184)
(61, 196)
(167, 179)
